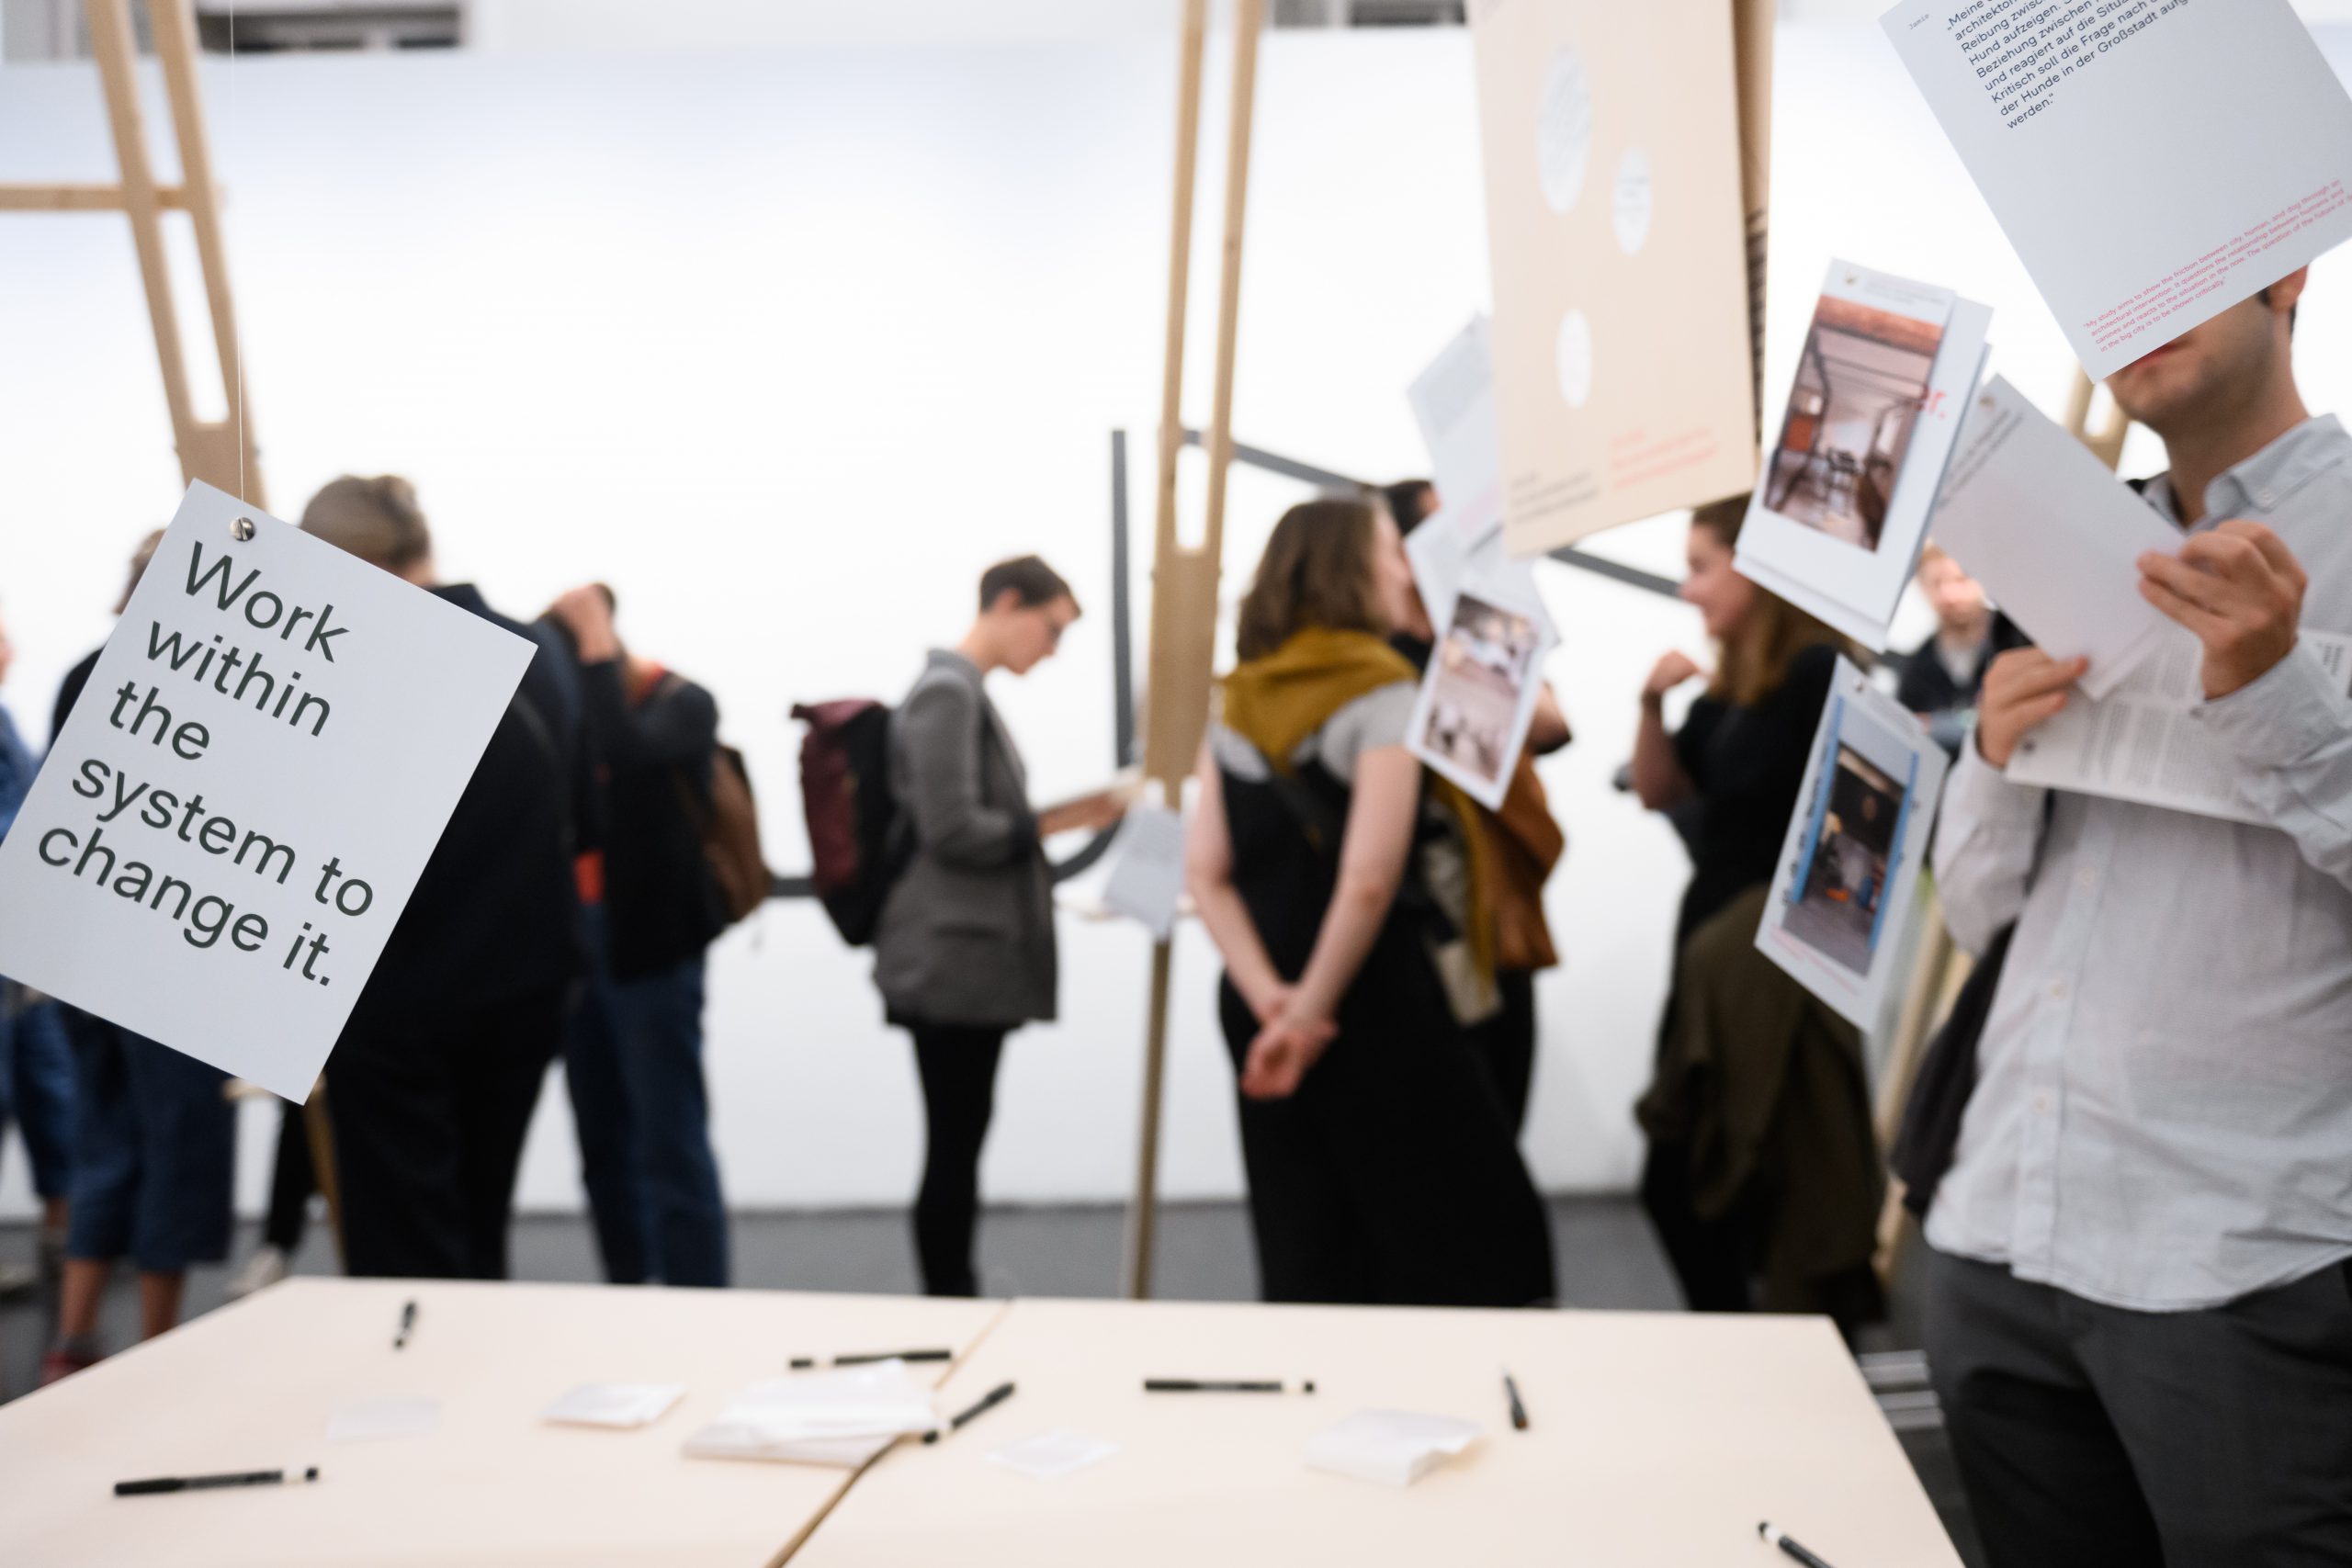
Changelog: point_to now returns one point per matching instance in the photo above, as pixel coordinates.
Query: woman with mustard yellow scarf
(1343, 886)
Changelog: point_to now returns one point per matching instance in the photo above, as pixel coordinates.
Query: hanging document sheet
(237, 810)
(2146, 743)
(1623, 382)
(1479, 696)
(2154, 162)
(1840, 511)
(1853, 850)
(2053, 536)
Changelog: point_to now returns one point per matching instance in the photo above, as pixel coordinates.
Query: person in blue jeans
(634, 1051)
(154, 1147)
(36, 1064)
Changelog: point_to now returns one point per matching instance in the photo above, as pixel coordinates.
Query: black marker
(1517, 1410)
(996, 1397)
(207, 1483)
(1211, 1385)
(804, 1363)
(408, 1321)
(1789, 1547)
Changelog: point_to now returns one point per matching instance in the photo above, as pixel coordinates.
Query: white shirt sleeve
(1987, 838)
(2293, 730)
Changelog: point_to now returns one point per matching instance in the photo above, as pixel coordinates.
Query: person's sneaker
(63, 1360)
(18, 1280)
(263, 1270)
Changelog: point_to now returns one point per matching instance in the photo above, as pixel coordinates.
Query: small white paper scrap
(1050, 1456)
(1396, 1448)
(372, 1420)
(844, 1417)
(614, 1403)
(1147, 875)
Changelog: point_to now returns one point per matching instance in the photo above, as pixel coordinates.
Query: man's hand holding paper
(2024, 689)
(2241, 590)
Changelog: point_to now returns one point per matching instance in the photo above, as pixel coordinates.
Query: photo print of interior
(1859, 388)
(1849, 852)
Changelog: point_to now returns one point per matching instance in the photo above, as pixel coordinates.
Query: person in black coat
(431, 1085)
(1942, 676)
(633, 1054)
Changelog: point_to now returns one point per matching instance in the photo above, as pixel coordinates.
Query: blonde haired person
(1763, 1177)
(1340, 884)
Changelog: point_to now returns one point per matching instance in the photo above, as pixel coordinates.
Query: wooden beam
(113, 44)
(1175, 597)
(1751, 27)
(81, 199)
(173, 22)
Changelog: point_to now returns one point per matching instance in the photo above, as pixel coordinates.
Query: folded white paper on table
(2053, 536)
(1454, 403)
(2240, 141)
(614, 1403)
(1843, 888)
(1147, 869)
(372, 1420)
(842, 1416)
(1840, 511)
(1479, 696)
(2144, 743)
(1050, 1456)
(1395, 1447)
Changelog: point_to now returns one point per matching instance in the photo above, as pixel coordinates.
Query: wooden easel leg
(1183, 611)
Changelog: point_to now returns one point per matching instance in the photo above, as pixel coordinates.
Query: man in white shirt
(2140, 1309)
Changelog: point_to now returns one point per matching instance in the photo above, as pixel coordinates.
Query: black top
(69, 691)
(494, 915)
(1747, 765)
(1927, 688)
(662, 904)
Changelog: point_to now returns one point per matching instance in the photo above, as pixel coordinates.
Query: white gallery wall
(788, 345)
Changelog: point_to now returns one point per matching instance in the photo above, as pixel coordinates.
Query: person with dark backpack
(963, 943)
(634, 1058)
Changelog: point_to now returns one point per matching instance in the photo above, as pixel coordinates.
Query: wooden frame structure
(221, 453)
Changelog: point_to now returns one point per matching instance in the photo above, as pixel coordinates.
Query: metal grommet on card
(243, 529)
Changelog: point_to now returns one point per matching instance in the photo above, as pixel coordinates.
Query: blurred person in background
(431, 1085)
(964, 953)
(1764, 1178)
(1943, 675)
(36, 1059)
(633, 1055)
(1343, 886)
(1523, 845)
(154, 1145)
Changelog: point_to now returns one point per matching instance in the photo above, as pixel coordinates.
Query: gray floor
(1607, 1260)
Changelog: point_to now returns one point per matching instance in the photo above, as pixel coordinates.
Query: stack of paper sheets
(843, 1417)
(1395, 1447)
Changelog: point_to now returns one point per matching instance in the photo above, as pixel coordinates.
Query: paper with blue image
(1848, 866)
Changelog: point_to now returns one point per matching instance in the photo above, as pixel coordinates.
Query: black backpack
(854, 831)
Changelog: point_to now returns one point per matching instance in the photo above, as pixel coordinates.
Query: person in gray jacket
(964, 953)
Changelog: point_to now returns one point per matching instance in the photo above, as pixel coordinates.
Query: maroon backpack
(853, 817)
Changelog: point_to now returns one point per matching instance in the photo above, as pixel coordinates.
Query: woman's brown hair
(1316, 572)
(1756, 659)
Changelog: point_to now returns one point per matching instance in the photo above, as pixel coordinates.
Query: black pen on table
(867, 1359)
(996, 1397)
(1789, 1547)
(1220, 1385)
(1518, 1409)
(408, 1321)
(162, 1483)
